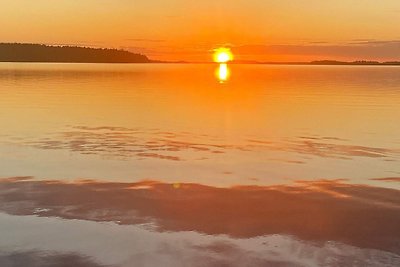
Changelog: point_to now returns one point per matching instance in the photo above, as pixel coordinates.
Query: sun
(222, 55)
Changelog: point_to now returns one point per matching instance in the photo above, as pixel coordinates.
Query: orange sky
(285, 30)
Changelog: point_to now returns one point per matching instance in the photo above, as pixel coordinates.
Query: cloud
(79, 43)
(145, 40)
(388, 179)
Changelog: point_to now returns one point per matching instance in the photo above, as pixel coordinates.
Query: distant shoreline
(40, 53)
(211, 63)
(325, 63)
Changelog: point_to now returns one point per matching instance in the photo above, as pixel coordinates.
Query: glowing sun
(222, 55)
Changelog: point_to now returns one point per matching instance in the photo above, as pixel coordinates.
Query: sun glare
(223, 73)
(222, 55)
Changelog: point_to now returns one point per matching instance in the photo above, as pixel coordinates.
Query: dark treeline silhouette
(359, 62)
(323, 62)
(16, 52)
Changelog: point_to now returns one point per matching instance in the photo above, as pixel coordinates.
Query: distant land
(16, 52)
(23, 52)
(324, 62)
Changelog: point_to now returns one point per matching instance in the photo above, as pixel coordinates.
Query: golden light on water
(222, 55)
(223, 72)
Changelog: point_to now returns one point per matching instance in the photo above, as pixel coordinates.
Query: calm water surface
(167, 165)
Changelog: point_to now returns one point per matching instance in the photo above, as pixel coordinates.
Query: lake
(199, 165)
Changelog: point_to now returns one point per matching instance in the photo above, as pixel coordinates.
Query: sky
(264, 30)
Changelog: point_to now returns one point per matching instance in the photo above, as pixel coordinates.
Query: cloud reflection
(314, 211)
(89, 244)
(45, 259)
(142, 143)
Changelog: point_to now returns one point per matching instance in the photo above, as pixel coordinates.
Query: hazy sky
(188, 29)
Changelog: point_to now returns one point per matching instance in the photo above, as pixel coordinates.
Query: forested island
(16, 52)
(359, 62)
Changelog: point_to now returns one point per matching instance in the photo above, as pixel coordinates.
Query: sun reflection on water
(223, 73)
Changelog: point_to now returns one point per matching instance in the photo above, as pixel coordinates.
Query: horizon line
(360, 62)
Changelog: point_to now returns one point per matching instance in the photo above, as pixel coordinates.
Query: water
(177, 155)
